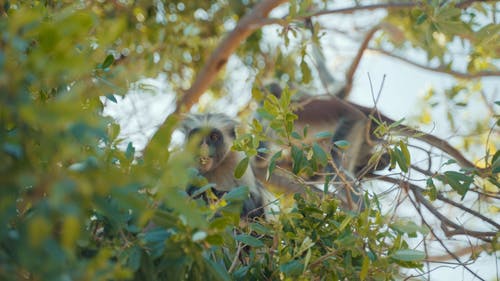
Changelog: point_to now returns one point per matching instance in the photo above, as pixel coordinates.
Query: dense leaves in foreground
(73, 206)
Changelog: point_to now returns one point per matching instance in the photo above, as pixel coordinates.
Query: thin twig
(457, 229)
(468, 210)
(441, 241)
(460, 252)
(236, 258)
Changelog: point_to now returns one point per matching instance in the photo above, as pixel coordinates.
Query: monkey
(214, 134)
(354, 123)
(329, 114)
(341, 118)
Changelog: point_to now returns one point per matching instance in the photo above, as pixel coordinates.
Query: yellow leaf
(38, 230)
(70, 231)
(426, 117)
(364, 268)
(490, 187)
(494, 209)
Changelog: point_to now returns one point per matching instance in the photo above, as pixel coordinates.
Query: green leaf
(221, 222)
(272, 164)
(202, 190)
(397, 123)
(215, 239)
(409, 227)
(238, 194)
(432, 189)
(406, 152)
(324, 135)
(408, 255)
(249, 240)
(259, 228)
(241, 168)
(458, 181)
(306, 72)
(296, 136)
(320, 154)
(299, 161)
(496, 156)
(495, 166)
(364, 268)
(90, 163)
(155, 240)
(130, 151)
(392, 153)
(342, 144)
(134, 257)
(13, 150)
(292, 268)
(113, 131)
(305, 130)
(112, 98)
(107, 62)
(216, 269)
(401, 160)
(421, 18)
(450, 162)
(345, 222)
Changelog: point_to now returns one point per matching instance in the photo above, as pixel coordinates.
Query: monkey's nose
(204, 151)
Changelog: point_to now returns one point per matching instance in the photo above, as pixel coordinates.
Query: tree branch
(461, 252)
(351, 10)
(468, 210)
(453, 255)
(430, 139)
(387, 6)
(439, 69)
(355, 63)
(245, 27)
(457, 229)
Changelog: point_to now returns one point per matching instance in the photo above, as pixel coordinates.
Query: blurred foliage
(75, 207)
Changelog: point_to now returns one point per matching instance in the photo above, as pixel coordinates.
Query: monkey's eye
(215, 136)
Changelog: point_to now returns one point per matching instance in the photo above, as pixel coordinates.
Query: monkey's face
(210, 146)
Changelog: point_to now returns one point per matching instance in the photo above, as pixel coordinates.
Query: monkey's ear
(272, 88)
(275, 89)
(232, 131)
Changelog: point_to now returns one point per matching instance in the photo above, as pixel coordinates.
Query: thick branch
(439, 69)
(354, 9)
(245, 27)
(355, 63)
(387, 6)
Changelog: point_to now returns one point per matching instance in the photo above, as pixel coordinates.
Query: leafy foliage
(75, 206)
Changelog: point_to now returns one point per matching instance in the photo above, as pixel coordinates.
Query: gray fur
(221, 172)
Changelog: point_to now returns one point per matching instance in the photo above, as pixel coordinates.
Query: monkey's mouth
(205, 163)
